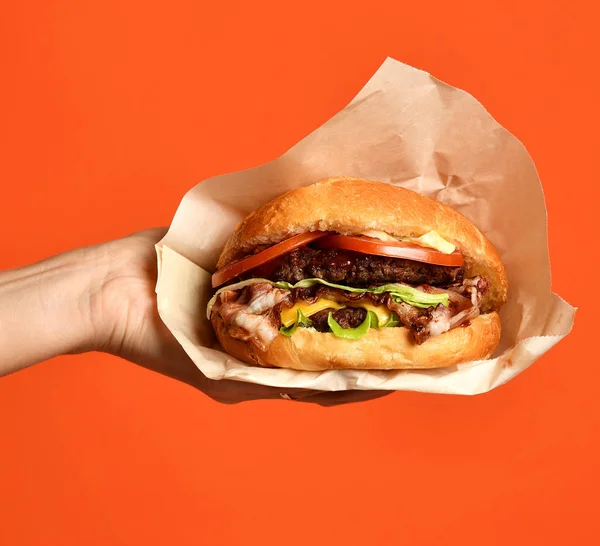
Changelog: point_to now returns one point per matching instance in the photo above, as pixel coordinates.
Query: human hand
(126, 323)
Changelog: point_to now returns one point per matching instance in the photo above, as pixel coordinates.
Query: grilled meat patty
(355, 269)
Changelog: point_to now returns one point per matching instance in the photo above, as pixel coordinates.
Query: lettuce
(352, 333)
(398, 292)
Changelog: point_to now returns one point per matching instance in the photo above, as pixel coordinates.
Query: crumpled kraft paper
(407, 128)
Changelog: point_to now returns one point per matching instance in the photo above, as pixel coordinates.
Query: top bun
(351, 206)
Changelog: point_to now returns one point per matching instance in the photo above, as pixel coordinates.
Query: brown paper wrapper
(406, 128)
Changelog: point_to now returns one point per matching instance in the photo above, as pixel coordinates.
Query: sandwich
(356, 274)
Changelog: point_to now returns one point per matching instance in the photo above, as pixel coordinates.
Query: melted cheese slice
(289, 316)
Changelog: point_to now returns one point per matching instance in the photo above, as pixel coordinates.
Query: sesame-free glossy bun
(384, 349)
(351, 206)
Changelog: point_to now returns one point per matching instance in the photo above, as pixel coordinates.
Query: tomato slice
(393, 249)
(237, 268)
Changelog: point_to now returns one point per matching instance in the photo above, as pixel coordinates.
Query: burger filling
(345, 286)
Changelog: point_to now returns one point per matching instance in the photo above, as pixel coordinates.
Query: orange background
(101, 99)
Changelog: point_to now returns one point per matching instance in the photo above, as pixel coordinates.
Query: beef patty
(355, 269)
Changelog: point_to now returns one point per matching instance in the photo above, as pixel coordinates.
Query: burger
(356, 274)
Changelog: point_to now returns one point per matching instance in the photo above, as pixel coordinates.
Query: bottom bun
(385, 349)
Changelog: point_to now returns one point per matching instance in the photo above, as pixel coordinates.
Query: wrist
(87, 271)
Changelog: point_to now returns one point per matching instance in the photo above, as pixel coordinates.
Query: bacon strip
(253, 313)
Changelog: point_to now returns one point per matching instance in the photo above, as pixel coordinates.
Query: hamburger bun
(352, 206)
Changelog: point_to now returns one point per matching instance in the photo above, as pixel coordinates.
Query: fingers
(228, 391)
(337, 398)
(177, 364)
(173, 361)
(233, 392)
